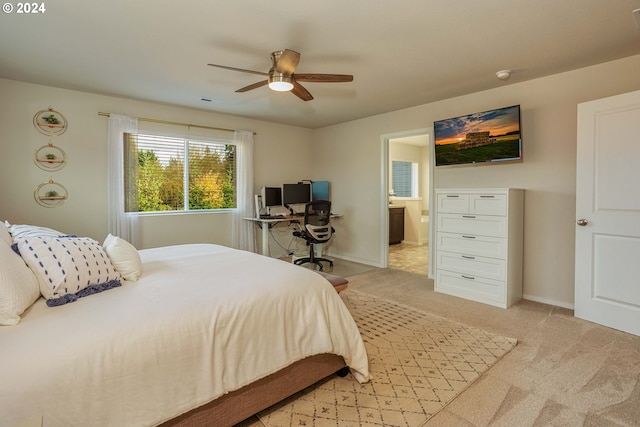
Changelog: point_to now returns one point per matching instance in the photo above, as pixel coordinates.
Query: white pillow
(4, 234)
(18, 286)
(68, 267)
(124, 257)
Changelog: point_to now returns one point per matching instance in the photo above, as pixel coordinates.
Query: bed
(207, 335)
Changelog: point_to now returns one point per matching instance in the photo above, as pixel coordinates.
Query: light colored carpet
(419, 363)
(563, 372)
(340, 267)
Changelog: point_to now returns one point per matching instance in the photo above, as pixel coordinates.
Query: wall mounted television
(481, 138)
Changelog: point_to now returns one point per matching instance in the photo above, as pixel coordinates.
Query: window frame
(413, 180)
(185, 181)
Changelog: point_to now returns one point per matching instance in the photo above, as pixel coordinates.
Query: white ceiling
(402, 53)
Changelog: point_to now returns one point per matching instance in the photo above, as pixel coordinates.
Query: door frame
(384, 200)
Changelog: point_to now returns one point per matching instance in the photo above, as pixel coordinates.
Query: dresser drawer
(471, 287)
(489, 268)
(492, 247)
(488, 204)
(478, 244)
(495, 226)
(453, 203)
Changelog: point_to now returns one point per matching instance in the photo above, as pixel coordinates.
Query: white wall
(424, 178)
(351, 155)
(280, 156)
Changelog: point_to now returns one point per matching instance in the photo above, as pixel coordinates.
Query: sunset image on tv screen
(489, 136)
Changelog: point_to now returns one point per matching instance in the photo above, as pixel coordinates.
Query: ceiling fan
(282, 76)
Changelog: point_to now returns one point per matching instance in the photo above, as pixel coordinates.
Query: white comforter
(203, 320)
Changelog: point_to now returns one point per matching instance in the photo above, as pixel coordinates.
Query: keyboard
(271, 217)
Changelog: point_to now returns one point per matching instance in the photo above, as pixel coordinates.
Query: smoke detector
(503, 74)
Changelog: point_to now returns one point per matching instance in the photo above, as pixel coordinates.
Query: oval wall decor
(50, 122)
(50, 158)
(50, 194)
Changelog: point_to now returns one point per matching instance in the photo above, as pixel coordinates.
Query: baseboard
(548, 301)
(352, 259)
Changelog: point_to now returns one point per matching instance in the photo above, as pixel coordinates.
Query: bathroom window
(404, 177)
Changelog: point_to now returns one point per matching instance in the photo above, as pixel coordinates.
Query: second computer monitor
(320, 190)
(271, 196)
(296, 193)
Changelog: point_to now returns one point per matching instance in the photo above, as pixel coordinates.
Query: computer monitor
(271, 196)
(320, 190)
(296, 193)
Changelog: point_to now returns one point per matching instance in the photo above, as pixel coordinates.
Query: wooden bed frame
(241, 404)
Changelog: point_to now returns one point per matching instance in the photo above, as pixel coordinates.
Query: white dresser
(478, 245)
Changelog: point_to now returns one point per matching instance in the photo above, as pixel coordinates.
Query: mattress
(203, 320)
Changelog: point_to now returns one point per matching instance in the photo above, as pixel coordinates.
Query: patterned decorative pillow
(24, 231)
(68, 268)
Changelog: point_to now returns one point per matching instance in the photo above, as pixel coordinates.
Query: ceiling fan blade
(287, 62)
(253, 86)
(323, 78)
(301, 92)
(260, 73)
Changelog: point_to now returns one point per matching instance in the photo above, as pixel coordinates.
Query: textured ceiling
(402, 53)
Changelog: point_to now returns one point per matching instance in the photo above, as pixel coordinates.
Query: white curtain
(120, 223)
(242, 232)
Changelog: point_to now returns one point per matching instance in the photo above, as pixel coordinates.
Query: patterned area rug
(419, 363)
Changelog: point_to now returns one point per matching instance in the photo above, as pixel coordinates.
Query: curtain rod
(168, 122)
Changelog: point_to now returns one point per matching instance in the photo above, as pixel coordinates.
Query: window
(164, 173)
(404, 178)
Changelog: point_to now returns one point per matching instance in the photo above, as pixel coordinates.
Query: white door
(607, 288)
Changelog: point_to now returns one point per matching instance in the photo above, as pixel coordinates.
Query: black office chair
(316, 229)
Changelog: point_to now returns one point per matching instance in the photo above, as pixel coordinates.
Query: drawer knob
(468, 277)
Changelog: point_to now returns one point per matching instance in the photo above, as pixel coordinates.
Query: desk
(266, 223)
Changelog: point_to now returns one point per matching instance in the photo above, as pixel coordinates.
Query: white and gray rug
(419, 362)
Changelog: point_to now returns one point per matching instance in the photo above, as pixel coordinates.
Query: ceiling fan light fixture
(282, 76)
(280, 82)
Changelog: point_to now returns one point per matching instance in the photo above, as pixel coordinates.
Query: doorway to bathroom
(407, 188)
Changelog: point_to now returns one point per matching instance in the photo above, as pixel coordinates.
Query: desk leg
(265, 238)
